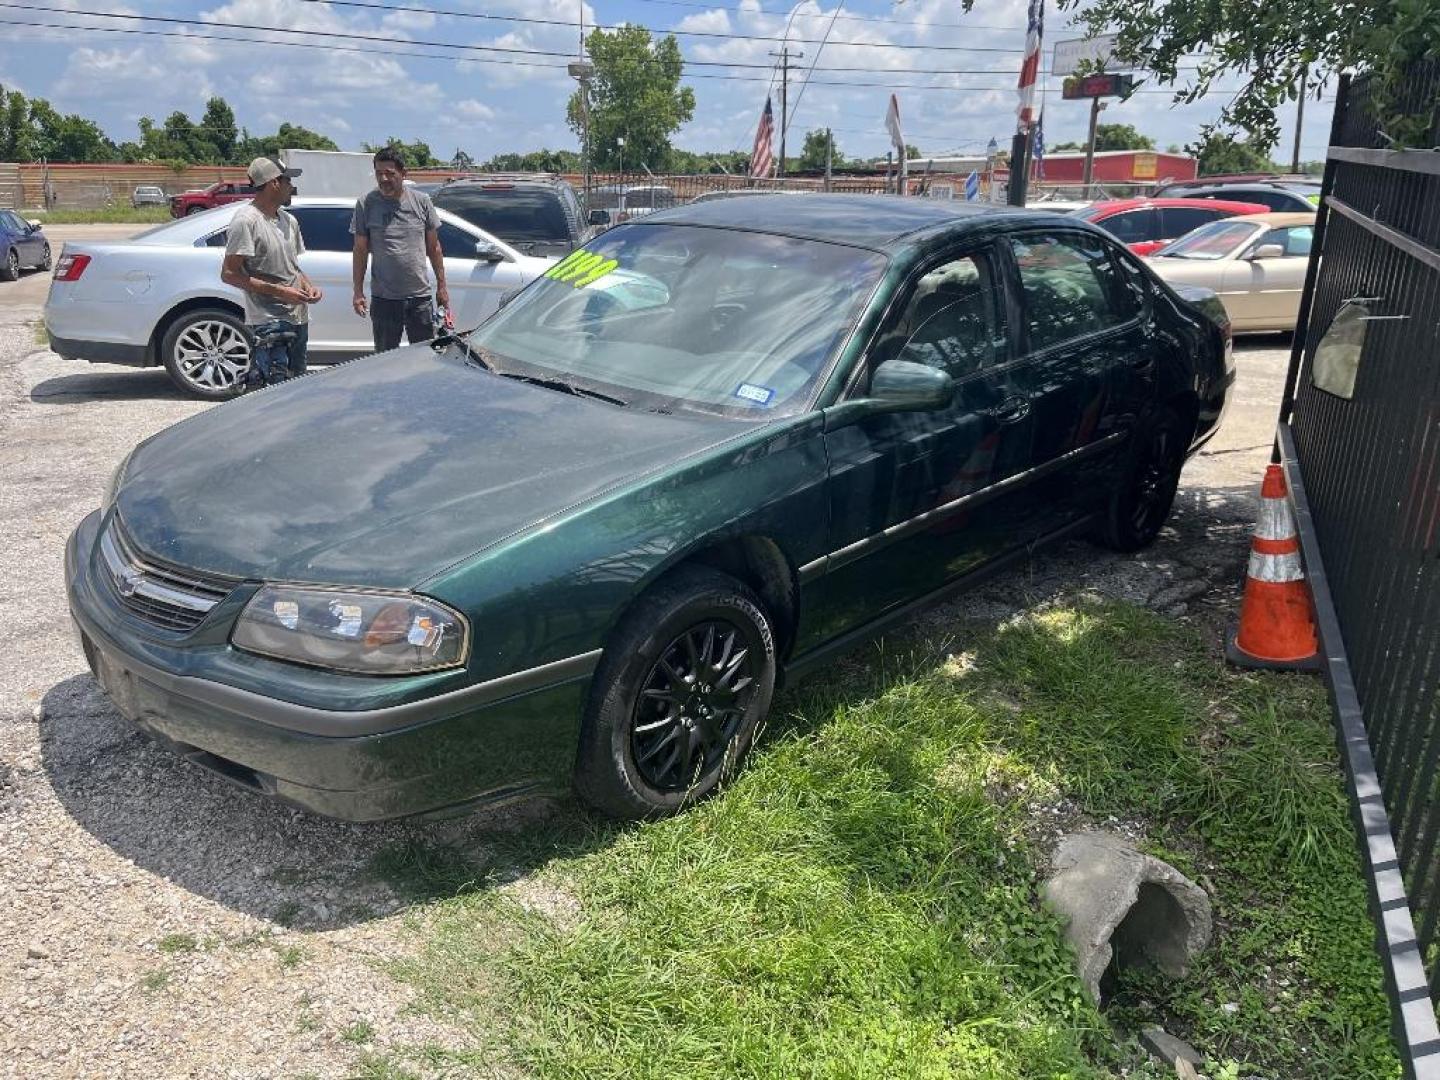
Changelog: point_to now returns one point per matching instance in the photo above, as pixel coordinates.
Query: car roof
(1116, 205)
(1282, 217)
(875, 221)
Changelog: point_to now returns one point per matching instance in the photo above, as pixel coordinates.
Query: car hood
(384, 471)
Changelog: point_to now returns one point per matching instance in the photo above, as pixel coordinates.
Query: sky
(477, 83)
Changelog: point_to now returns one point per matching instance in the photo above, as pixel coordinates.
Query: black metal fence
(1369, 455)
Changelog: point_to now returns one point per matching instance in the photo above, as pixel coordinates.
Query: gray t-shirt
(271, 248)
(396, 228)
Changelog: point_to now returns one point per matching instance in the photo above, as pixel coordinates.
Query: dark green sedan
(583, 544)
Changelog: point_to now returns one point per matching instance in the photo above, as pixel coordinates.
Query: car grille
(171, 599)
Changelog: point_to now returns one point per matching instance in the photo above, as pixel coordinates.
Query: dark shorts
(388, 318)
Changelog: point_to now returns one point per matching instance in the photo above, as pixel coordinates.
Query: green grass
(360, 1032)
(155, 981)
(862, 901)
(110, 215)
(290, 956)
(178, 943)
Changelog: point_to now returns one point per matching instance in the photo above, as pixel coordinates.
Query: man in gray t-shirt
(263, 246)
(399, 228)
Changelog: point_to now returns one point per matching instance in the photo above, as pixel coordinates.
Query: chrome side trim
(901, 529)
(813, 569)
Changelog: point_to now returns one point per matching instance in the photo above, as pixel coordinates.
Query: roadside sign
(1070, 54)
(1146, 166)
(1105, 84)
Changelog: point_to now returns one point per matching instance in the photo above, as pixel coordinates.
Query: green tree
(69, 138)
(812, 154)
(218, 128)
(911, 152)
(287, 137)
(1219, 154)
(19, 138)
(416, 155)
(1113, 137)
(635, 95)
(559, 161)
(1268, 50)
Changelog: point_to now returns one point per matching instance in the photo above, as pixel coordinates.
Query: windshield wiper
(474, 354)
(563, 387)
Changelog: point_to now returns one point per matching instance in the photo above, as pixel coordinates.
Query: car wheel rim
(691, 705)
(1156, 483)
(45, 265)
(212, 356)
(14, 264)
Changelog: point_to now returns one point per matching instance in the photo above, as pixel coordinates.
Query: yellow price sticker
(581, 268)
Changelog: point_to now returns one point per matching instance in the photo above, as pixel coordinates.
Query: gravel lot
(155, 921)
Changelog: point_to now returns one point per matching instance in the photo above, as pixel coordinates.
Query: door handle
(1010, 410)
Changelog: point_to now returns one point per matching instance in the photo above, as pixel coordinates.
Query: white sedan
(158, 298)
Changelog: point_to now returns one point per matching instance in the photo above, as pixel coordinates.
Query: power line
(557, 67)
(375, 5)
(821, 15)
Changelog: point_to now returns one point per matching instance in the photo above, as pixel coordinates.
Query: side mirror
(35, 226)
(905, 386)
(1267, 251)
(488, 252)
(599, 217)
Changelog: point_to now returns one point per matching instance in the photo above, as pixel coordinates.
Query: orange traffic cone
(1277, 619)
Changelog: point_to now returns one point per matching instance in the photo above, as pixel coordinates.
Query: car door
(1176, 221)
(1264, 294)
(27, 243)
(916, 497)
(477, 286)
(1132, 227)
(327, 262)
(1087, 362)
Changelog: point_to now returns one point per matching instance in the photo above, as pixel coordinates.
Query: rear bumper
(101, 352)
(438, 756)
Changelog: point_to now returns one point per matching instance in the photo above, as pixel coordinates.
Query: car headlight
(108, 499)
(369, 633)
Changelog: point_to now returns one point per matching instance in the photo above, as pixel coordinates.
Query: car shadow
(264, 859)
(124, 385)
(259, 857)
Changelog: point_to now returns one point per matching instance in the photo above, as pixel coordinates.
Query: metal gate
(1367, 449)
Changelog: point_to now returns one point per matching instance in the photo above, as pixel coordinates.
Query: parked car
(538, 214)
(1295, 196)
(736, 193)
(158, 298)
(1256, 265)
(194, 202)
(1147, 225)
(587, 542)
(22, 245)
(148, 195)
(626, 201)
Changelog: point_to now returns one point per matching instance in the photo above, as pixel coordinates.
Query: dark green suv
(585, 542)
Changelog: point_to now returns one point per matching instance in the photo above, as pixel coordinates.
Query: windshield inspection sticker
(581, 268)
(761, 395)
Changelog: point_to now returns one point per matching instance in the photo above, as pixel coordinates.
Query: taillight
(70, 267)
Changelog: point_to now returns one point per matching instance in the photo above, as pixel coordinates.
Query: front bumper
(432, 755)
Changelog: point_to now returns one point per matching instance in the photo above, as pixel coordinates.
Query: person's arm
(437, 263)
(233, 272)
(357, 272)
(303, 282)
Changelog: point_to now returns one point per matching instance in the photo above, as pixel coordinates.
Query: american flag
(1034, 31)
(761, 156)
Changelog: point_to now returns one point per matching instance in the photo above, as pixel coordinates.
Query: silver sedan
(157, 299)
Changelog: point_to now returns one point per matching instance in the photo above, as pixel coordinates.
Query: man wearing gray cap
(262, 249)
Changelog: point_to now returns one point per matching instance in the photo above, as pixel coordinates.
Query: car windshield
(1213, 241)
(724, 322)
(508, 212)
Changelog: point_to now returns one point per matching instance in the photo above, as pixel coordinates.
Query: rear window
(513, 214)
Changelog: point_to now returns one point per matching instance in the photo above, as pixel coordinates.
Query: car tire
(46, 260)
(675, 704)
(194, 210)
(1140, 504)
(10, 269)
(207, 352)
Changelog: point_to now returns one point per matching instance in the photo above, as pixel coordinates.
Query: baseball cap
(264, 169)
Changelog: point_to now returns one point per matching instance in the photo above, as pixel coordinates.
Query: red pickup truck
(192, 202)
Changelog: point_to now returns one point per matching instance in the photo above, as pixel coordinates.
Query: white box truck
(331, 172)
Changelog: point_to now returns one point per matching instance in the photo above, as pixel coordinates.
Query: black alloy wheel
(1142, 502)
(682, 687)
(46, 260)
(10, 271)
(691, 705)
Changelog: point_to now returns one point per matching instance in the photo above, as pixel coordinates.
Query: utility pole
(1299, 118)
(829, 156)
(784, 56)
(1089, 175)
